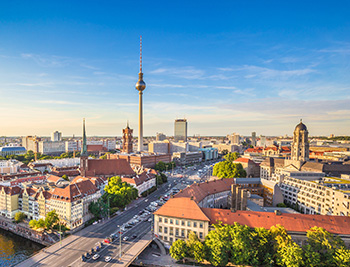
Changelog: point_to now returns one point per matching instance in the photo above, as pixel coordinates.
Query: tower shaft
(140, 135)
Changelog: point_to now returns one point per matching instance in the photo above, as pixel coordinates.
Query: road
(81, 242)
(73, 247)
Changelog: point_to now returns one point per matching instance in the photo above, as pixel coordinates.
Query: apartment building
(326, 196)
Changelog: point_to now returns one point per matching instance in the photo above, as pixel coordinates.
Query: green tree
(224, 152)
(160, 166)
(40, 224)
(19, 217)
(33, 224)
(120, 193)
(281, 205)
(51, 219)
(178, 250)
(342, 257)
(218, 244)
(287, 252)
(227, 169)
(311, 258)
(191, 242)
(65, 177)
(232, 156)
(324, 243)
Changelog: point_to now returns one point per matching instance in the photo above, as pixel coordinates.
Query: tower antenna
(140, 53)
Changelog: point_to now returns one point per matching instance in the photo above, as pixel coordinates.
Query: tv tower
(140, 86)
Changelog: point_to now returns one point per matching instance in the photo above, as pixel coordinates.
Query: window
(165, 220)
(200, 235)
(171, 221)
(165, 230)
(200, 225)
(160, 219)
(189, 224)
(165, 238)
(183, 232)
(177, 231)
(160, 229)
(177, 222)
(194, 224)
(171, 239)
(183, 223)
(171, 231)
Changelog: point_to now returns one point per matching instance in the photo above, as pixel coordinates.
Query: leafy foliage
(120, 193)
(50, 221)
(240, 245)
(227, 169)
(19, 217)
(178, 250)
(231, 156)
(162, 166)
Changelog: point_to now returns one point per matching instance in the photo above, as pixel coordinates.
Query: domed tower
(300, 147)
(140, 86)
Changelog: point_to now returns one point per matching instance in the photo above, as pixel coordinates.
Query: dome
(301, 127)
(140, 85)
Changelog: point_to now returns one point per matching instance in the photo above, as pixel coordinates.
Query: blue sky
(227, 66)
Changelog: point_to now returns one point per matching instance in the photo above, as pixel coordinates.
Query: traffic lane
(113, 249)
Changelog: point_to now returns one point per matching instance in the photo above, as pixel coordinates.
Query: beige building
(9, 200)
(172, 223)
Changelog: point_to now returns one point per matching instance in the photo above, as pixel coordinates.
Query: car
(133, 236)
(125, 238)
(108, 259)
(96, 256)
(146, 199)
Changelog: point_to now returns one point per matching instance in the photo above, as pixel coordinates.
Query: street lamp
(120, 242)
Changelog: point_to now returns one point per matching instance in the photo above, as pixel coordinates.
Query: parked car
(125, 238)
(96, 256)
(108, 259)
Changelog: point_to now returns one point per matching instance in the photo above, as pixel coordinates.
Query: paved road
(74, 246)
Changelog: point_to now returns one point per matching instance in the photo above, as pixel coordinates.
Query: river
(14, 249)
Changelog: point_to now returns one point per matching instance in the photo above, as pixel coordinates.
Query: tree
(281, 205)
(160, 166)
(323, 243)
(218, 243)
(19, 217)
(287, 252)
(342, 257)
(51, 219)
(224, 152)
(191, 242)
(65, 177)
(226, 169)
(178, 250)
(33, 224)
(120, 193)
(232, 156)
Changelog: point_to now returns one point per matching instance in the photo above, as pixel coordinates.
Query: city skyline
(225, 67)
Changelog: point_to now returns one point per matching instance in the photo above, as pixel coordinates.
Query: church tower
(84, 155)
(300, 147)
(127, 139)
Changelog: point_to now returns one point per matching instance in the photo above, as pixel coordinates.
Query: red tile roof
(201, 190)
(75, 191)
(292, 222)
(182, 207)
(109, 167)
(95, 148)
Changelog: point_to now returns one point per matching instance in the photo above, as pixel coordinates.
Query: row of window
(182, 222)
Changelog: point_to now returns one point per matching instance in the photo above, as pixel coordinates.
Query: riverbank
(24, 231)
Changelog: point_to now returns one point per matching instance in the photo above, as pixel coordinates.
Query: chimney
(278, 212)
(191, 197)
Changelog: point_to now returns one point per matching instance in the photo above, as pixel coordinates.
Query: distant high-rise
(140, 86)
(56, 136)
(160, 137)
(180, 130)
(235, 139)
(127, 139)
(253, 139)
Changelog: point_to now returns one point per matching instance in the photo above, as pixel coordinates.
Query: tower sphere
(140, 85)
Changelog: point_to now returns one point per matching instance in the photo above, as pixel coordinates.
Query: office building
(56, 136)
(253, 139)
(160, 137)
(180, 130)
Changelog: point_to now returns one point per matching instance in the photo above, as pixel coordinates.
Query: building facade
(180, 130)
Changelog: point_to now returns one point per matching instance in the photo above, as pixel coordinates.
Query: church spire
(84, 145)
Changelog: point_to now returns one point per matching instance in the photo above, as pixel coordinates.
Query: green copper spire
(84, 146)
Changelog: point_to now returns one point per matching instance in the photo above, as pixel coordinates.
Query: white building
(56, 136)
